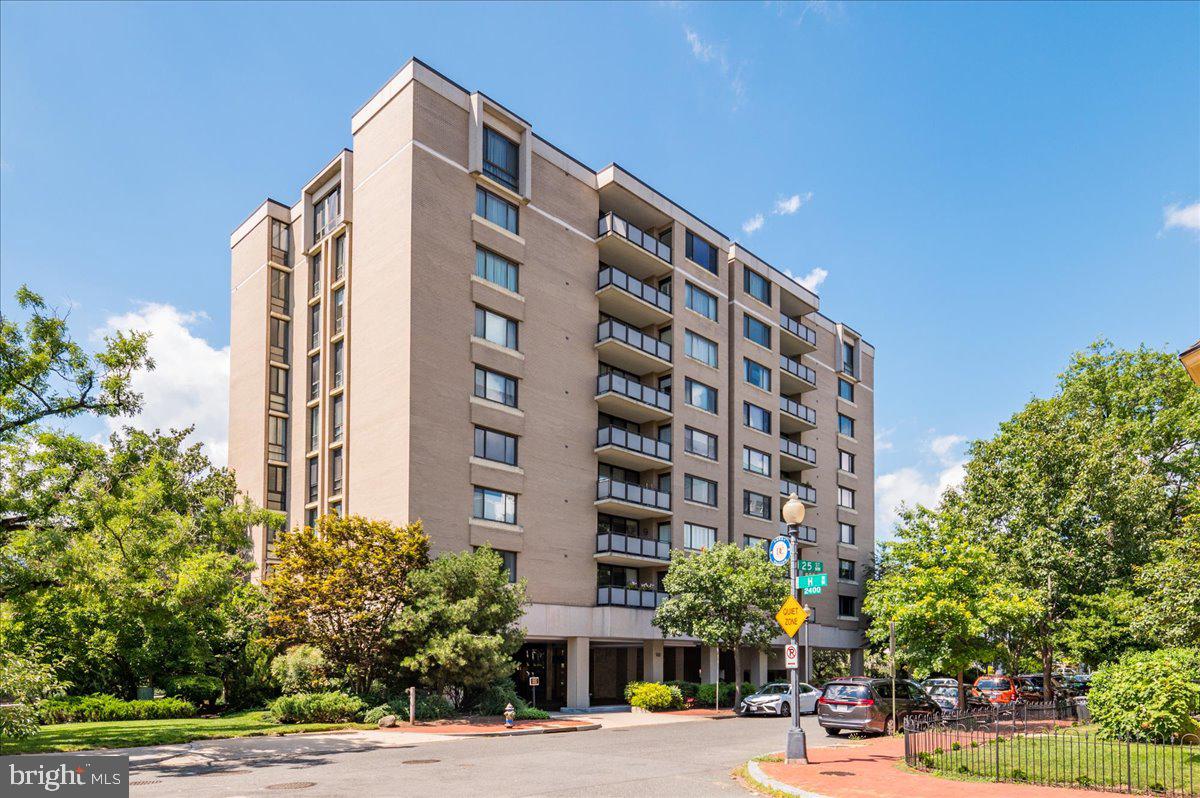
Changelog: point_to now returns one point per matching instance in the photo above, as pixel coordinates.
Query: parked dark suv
(865, 705)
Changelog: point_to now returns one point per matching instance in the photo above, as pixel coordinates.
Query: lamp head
(793, 511)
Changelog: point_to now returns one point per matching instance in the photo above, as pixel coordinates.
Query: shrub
(493, 700)
(374, 715)
(688, 689)
(101, 707)
(532, 713)
(432, 707)
(25, 684)
(630, 689)
(196, 689)
(706, 694)
(316, 708)
(1148, 695)
(656, 697)
(301, 669)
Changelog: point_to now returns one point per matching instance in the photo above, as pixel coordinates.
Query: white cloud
(883, 440)
(910, 486)
(190, 382)
(813, 279)
(789, 205)
(943, 446)
(1186, 217)
(707, 52)
(752, 224)
(700, 49)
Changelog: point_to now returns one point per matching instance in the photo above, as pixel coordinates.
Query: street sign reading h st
(808, 591)
(812, 580)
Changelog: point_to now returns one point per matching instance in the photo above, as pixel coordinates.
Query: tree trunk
(962, 693)
(1047, 662)
(737, 676)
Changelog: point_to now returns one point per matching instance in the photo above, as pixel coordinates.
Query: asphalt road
(690, 759)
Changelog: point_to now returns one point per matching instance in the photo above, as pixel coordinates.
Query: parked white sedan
(776, 699)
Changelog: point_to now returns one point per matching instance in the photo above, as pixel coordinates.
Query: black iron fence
(1040, 744)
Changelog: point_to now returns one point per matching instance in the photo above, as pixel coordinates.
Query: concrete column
(758, 667)
(652, 660)
(856, 662)
(578, 652)
(710, 664)
(679, 665)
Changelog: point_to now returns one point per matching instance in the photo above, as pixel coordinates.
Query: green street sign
(812, 580)
(808, 591)
(810, 567)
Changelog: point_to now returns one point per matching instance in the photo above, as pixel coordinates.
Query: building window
(280, 337)
(335, 509)
(280, 237)
(277, 488)
(757, 286)
(703, 491)
(756, 462)
(756, 417)
(281, 290)
(845, 498)
(314, 475)
(846, 389)
(339, 258)
(278, 389)
(501, 159)
(339, 311)
(327, 212)
(495, 387)
(508, 564)
(845, 425)
(846, 570)
(493, 445)
(495, 269)
(757, 374)
(696, 537)
(310, 517)
(700, 443)
(846, 534)
(616, 576)
(335, 471)
(315, 276)
(697, 394)
(756, 331)
(756, 504)
(495, 505)
(616, 525)
(752, 541)
(495, 210)
(314, 377)
(314, 428)
(846, 461)
(493, 327)
(337, 418)
(339, 365)
(848, 358)
(701, 252)
(314, 326)
(697, 347)
(701, 301)
(277, 429)
(846, 607)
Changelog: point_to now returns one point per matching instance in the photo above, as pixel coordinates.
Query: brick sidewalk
(874, 770)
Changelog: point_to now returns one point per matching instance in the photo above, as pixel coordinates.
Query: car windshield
(846, 692)
(993, 684)
(949, 692)
(773, 689)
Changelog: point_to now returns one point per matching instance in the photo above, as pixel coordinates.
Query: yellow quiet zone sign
(791, 616)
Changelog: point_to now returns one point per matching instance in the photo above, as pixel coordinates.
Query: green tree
(725, 596)
(1170, 585)
(462, 628)
(25, 681)
(341, 585)
(45, 374)
(946, 593)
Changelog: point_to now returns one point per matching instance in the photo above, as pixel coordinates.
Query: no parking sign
(791, 657)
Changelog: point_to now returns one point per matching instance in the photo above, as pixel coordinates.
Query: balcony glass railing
(629, 597)
(798, 450)
(615, 383)
(610, 275)
(611, 223)
(792, 407)
(797, 369)
(634, 494)
(806, 493)
(633, 442)
(797, 329)
(613, 543)
(611, 329)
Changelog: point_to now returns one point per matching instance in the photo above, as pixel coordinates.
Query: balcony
(641, 253)
(807, 535)
(796, 338)
(631, 501)
(634, 552)
(630, 450)
(627, 297)
(630, 349)
(629, 597)
(795, 376)
(795, 417)
(619, 396)
(793, 455)
(805, 493)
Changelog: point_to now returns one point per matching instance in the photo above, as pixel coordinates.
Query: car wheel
(785, 710)
(832, 732)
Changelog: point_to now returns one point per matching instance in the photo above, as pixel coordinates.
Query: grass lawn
(127, 733)
(1073, 759)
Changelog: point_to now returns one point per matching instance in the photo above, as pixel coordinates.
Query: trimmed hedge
(532, 713)
(706, 694)
(654, 697)
(1148, 695)
(197, 689)
(316, 708)
(688, 689)
(103, 707)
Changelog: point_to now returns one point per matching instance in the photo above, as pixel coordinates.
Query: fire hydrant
(510, 715)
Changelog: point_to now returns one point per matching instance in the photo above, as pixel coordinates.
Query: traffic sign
(791, 616)
(791, 657)
(780, 550)
(812, 580)
(808, 591)
(810, 566)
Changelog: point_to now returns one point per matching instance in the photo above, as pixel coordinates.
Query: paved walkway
(873, 770)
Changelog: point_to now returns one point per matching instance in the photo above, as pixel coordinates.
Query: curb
(759, 778)
(524, 732)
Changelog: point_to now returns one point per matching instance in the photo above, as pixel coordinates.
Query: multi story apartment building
(461, 323)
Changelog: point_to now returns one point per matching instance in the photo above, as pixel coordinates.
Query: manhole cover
(836, 773)
(421, 761)
(292, 785)
(145, 782)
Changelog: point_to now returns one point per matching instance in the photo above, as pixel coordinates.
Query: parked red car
(996, 689)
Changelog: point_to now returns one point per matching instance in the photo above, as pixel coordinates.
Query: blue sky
(986, 187)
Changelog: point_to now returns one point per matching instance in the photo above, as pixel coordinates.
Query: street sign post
(534, 681)
(791, 617)
(780, 551)
(812, 580)
(811, 567)
(791, 656)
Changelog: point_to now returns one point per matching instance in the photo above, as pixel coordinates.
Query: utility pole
(892, 651)
(793, 516)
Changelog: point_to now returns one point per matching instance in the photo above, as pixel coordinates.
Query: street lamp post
(797, 745)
